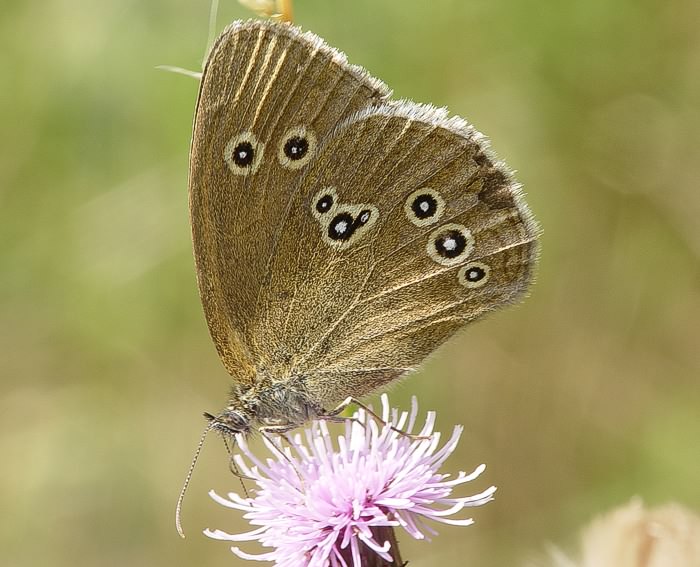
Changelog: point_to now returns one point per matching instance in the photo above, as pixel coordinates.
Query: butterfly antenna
(178, 508)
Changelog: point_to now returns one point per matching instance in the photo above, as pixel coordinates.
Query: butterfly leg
(278, 429)
(354, 401)
(233, 468)
(337, 419)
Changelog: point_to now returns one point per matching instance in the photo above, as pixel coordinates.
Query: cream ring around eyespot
(297, 147)
(243, 153)
(474, 275)
(450, 244)
(424, 206)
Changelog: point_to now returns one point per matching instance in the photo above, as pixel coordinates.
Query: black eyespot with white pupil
(243, 154)
(475, 274)
(424, 206)
(343, 225)
(450, 244)
(296, 147)
(324, 204)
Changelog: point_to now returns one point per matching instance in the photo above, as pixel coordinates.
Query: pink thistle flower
(318, 504)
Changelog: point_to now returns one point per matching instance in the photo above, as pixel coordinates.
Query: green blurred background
(585, 395)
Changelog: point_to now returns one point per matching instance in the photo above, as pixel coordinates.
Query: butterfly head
(229, 422)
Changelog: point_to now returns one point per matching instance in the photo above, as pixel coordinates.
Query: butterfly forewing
(268, 91)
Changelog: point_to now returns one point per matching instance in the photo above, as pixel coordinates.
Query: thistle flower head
(319, 500)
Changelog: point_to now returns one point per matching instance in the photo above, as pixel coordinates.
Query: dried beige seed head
(635, 536)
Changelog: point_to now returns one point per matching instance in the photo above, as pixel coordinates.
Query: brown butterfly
(339, 236)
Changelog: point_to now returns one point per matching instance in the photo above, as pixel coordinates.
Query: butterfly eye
(298, 145)
(450, 244)
(474, 275)
(243, 154)
(424, 207)
(324, 204)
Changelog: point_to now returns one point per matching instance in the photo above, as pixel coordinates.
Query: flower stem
(370, 558)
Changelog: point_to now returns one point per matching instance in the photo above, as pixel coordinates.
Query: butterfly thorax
(267, 404)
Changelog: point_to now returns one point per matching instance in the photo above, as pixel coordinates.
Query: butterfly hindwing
(358, 301)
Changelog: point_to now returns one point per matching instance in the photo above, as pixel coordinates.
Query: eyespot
(297, 147)
(342, 224)
(243, 154)
(341, 227)
(450, 244)
(473, 275)
(424, 207)
(324, 204)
